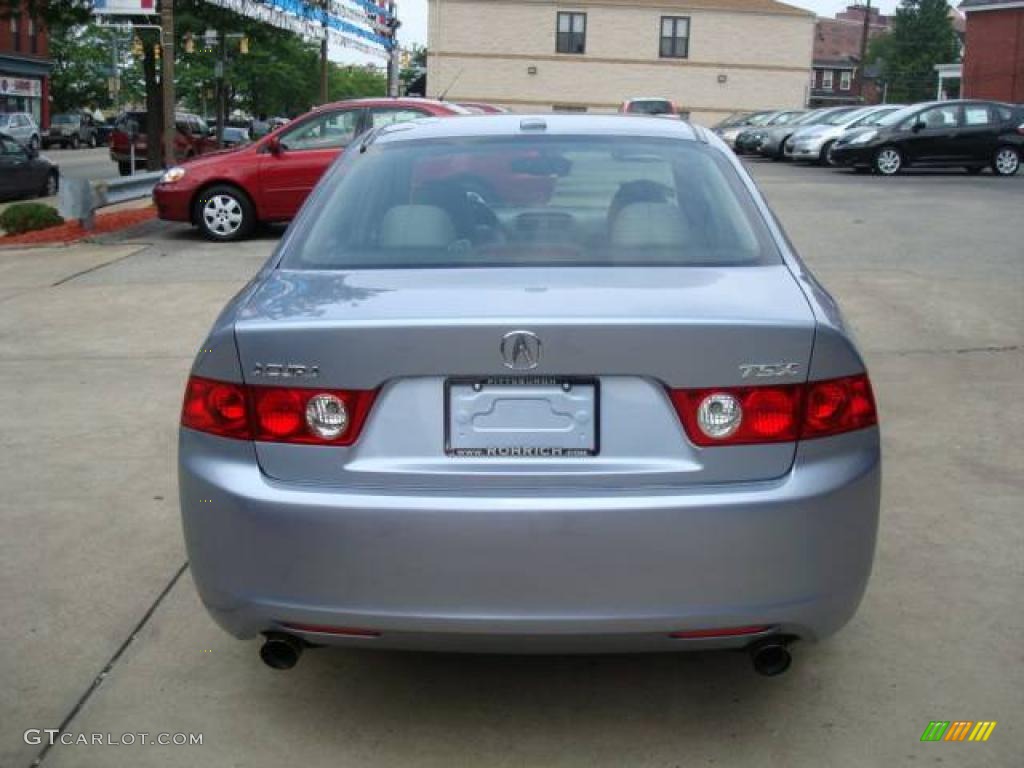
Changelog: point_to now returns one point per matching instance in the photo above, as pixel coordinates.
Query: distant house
(993, 66)
(837, 76)
(711, 57)
(24, 66)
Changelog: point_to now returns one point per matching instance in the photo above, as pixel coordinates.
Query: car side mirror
(274, 145)
(918, 127)
(32, 152)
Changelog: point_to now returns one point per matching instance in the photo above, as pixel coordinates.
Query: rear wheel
(825, 156)
(92, 141)
(51, 186)
(224, 213)
(1007, 161)
(888, 161)
(33, 143)
(74, 141)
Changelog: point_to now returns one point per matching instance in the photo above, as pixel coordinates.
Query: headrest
(649, 225)
(416, 226)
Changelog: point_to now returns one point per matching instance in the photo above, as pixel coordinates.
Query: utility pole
(864, 48)
(324, 65)
(394, 63)
(167, 78)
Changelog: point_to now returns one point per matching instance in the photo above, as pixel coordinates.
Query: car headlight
(177, 173)
(863, 138)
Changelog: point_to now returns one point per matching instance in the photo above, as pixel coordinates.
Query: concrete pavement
(95, 344)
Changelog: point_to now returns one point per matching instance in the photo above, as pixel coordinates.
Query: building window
(572, 33)
(826, 79)
(572, 109)
(33, 38)
(844, 80)
(814, 79)
(15, 36)
(675, 37)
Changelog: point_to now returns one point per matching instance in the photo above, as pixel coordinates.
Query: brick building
(712, 57)
(993, 66)
(837, 77)
(24, 66)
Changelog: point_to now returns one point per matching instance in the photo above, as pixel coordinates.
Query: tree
(922, 36)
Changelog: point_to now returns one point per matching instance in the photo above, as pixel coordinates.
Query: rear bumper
(615, 572)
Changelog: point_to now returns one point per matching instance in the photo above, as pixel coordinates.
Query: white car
(21, 127)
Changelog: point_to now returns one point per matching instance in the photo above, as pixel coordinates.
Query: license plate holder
(522, 417)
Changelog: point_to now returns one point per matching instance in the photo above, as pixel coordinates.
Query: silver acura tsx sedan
(532, 384)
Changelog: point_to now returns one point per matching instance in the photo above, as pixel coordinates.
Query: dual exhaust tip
(769, 656)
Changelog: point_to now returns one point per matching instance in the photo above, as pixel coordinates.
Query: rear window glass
(532, 201)
(651, 107)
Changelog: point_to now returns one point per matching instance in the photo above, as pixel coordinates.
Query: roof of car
(465, 126)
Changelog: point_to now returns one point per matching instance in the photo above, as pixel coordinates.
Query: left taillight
(275, 414)
(775, 414)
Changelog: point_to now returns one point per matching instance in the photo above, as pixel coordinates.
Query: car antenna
(451, 85)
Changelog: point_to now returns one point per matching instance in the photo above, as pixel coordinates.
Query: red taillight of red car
(775, 414)
(275, 414)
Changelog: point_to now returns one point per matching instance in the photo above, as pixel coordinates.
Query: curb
(71, 232)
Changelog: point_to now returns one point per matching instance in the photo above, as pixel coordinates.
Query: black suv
(970, 134)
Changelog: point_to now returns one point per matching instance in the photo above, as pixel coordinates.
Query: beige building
(711, 57)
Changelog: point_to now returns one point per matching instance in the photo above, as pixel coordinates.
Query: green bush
(28, 217)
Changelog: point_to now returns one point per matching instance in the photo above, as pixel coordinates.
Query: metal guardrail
(81, 198)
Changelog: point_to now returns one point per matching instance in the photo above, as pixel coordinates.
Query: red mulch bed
(72, 231)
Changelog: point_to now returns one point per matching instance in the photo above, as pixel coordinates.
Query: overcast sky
(413, 14)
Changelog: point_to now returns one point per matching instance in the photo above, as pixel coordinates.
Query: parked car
(23, 172)
(773, 139)
(729, 133)
(971, 134)
(234, 136)
(480, 108)
(104, 128)
(749, 140)
(649, 105)
(872, 118)
(191, 139)
(72, 130)
(226, 194)
(814, 142)
(431, 423)
(21, 127)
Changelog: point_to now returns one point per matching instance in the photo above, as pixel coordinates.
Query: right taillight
(775, 414)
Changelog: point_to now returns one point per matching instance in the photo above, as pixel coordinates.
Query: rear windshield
(59, 119)
(651, 107)
(532, 201)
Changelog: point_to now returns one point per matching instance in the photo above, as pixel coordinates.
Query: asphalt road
(91, 164)
(101, 629)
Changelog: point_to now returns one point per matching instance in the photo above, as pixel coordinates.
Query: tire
(34, 143)
(75, 142)
(224, 214)
(825, 156)
(92, 142)
(888, 161)
(52, 185)
(124, 168)
(1006, 161)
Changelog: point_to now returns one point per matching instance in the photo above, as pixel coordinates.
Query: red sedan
(226, 193)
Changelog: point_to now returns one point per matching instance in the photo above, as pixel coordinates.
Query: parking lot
(101, 630)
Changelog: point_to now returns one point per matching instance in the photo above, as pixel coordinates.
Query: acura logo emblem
(520, 350)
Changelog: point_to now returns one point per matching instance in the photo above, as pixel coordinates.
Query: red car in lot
(191, 139)
(225, 194)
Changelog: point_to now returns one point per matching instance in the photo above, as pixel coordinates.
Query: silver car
(813, 142)
(532, 384)
(21, 127)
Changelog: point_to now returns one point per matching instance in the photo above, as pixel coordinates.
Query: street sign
(124, 7)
